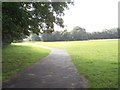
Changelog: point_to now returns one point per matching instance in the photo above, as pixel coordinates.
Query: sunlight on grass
(19, 56)
(97, 60)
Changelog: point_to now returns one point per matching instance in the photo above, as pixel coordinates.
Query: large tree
(21, 18)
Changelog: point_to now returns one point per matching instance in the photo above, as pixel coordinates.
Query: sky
(93, 15)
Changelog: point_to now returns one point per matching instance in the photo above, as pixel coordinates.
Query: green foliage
(17, 57)
(21, 18)
(79, 33)
(105, 34)
(97, 60)
(55, 36)
(66, 36)
(75, 34)
(34, 37)
(14, 22)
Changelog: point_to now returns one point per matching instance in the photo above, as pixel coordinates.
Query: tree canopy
(21, 18)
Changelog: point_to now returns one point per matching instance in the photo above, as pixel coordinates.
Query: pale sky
(93, 15)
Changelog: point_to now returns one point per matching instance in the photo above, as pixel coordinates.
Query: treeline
(76, 34)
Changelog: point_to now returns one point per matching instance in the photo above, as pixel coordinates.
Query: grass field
(97, 60)
(17, 57)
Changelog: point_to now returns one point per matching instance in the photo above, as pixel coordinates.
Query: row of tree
(77, 33)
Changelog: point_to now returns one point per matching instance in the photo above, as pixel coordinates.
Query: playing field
(97, 60)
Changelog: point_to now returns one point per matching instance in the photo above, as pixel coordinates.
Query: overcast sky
(93, 15)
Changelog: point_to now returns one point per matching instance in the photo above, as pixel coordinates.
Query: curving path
(54, 71)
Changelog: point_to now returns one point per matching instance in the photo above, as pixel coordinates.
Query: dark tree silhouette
(21, 18)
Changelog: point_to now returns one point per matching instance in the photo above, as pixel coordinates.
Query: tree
(46, 37)
(66, 36)
(21, 18)
(79, 33)
(56, 36)
(105, 34)
(34, 37)
(12, 22)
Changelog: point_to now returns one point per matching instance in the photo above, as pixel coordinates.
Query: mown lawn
(97, 60)
(18, 56)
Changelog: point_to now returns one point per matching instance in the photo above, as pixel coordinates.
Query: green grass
(19, 56)
(97, 60)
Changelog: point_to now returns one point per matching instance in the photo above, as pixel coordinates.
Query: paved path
(54, 71)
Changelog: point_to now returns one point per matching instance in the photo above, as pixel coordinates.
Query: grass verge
(18, 56)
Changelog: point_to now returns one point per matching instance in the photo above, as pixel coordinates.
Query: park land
(96, 60)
